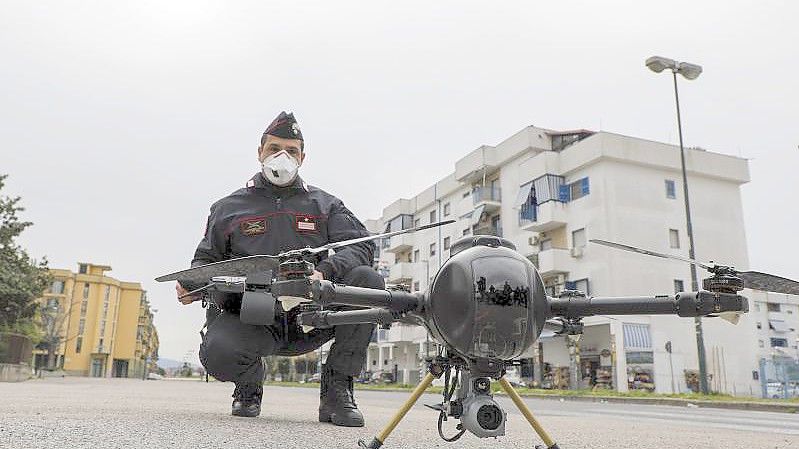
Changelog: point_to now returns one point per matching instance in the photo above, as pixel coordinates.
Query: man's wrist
(326, 268)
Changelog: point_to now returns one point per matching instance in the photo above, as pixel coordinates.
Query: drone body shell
(487, 301)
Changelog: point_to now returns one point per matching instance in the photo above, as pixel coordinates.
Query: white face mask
(280, 168)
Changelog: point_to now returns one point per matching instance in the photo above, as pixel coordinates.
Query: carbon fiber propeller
(242, 266)
(752, 279)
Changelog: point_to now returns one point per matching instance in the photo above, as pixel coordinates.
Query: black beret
(285, 126)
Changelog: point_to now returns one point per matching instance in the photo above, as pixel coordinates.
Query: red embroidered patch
(306, 223)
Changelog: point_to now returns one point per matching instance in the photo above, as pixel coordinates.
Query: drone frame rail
(574, 305)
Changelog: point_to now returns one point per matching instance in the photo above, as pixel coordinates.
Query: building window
(52, 303)
(779, 342)
(86, 290)
(78, 344)
(81, 326)
(416, 286)
(545, 244)
(432, 216)
(446, 209)
(761, 344)
(399, 223)
(416, 255)
(773, 306)
(679, 286)
(579, 189)
(578, 238)
(580, 285)
(57, 288)
(446, 243)
(432, 249)
(674, 238)
(671, 192)
(417, 222)
(759, 325)
(466, 231)
(83, 306)
(83, 268)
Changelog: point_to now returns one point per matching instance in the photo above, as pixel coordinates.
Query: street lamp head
(658, 64)
(688, 70)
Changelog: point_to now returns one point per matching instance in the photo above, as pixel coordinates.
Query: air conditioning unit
(577, 251)
(533, 241)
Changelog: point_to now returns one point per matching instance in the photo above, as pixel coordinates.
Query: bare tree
(53, 322)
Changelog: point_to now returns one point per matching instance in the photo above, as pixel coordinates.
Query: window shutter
(584, 186)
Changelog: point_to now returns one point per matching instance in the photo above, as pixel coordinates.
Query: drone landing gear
(381, 437)
(435, 372)
(528, 415)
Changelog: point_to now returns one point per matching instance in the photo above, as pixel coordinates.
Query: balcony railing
(527, 215)
(486, 194)
(488, 230)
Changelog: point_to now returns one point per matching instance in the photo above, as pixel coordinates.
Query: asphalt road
(123, 413)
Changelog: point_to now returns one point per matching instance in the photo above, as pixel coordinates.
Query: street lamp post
(691, 72)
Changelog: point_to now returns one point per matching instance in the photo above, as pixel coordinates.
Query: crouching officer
(275, 212)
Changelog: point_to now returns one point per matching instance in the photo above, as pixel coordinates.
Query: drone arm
(326, 293)
(688, 304)
(328, 318)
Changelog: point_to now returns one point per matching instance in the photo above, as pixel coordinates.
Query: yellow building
(104, 326)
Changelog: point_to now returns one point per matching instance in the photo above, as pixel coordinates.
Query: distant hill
(169, 363)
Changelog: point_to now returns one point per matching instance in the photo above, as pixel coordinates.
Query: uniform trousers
(231, 351)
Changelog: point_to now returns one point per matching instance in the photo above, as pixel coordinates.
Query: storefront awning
(636, 336)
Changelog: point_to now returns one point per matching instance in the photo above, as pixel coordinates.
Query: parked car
(154, 376)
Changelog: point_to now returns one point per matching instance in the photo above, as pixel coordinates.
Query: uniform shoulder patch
(255, 226)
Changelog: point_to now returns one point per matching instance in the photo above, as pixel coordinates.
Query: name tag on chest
(306, 223)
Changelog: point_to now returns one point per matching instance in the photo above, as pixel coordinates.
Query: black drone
(486, 306)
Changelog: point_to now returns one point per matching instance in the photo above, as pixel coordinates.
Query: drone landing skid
(435, 371)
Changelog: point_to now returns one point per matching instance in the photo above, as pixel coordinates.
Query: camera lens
(489, 417)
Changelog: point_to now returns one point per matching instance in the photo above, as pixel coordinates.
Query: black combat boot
(247, 400)
(336, 400)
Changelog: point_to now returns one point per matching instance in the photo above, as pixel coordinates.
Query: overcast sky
(120, 123)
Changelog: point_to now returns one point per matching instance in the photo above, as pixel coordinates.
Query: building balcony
(554, 261)
(543, 217)
(401, 273)
(400, 243)
(475, 165)
(488, 197)
(488, 230)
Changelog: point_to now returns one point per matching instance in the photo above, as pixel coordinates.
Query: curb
(677, 402)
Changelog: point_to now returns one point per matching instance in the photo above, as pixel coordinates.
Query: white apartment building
(549, 192)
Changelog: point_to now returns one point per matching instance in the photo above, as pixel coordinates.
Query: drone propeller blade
(335, 245)
(241, 266)
(769, 282)
(649, 253)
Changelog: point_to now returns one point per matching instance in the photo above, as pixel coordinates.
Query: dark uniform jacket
(262, 218)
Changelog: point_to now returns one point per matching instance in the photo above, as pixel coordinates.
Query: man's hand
(182, 291)
(317, 276)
